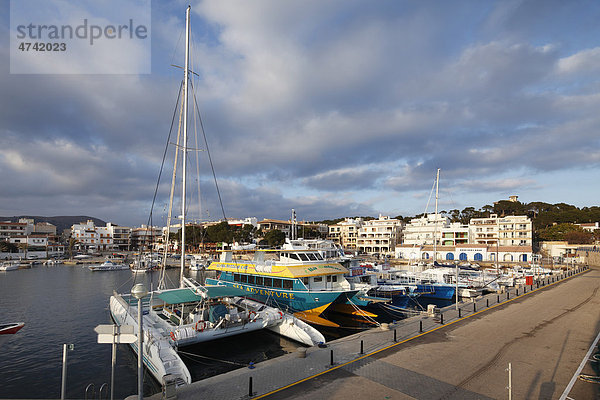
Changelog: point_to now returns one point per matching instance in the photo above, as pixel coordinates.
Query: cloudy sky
(333, 108)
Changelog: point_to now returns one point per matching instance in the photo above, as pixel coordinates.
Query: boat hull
(289, 300)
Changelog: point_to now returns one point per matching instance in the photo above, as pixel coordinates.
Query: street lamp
(139, 291)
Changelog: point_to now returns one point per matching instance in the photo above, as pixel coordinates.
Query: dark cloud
(353, 105)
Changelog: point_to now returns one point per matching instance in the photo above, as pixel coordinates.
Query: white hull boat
(9, 265)
(108, 266)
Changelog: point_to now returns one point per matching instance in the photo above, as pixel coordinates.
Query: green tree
(274, 238)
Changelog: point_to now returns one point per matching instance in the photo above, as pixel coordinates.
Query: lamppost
(139, 291)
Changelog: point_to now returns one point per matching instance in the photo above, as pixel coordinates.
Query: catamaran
(193, 313)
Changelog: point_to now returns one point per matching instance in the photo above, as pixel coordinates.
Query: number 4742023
(42, 46)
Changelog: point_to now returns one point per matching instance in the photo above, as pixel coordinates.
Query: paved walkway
(544, 333)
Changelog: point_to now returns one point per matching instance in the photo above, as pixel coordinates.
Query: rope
(191, 355)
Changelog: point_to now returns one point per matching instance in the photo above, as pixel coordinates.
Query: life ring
(252, 315)
(173, 336)
(200, 326)
(281, 315)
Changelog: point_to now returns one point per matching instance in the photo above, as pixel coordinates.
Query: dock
(545, 331)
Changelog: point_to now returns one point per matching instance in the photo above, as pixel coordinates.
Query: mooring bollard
(361, 347)
(250, 387)
(487, 302)
(459, 316)
(331, 356)
(421, 326)
(517, 292)
(498, 299)
(442, 319)
(507, 294)
(395, 335)
(474, 307)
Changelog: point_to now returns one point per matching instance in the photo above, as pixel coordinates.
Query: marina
(532, 329)
(131, 271)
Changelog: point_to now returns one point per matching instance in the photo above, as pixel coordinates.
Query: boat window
(268, 281)
(276, 283)
(236, 277)
(303, 257)
(319, 257)
(244, 278)
(294, 256)
(334, 278)
(305, 281)
(318, 279)
(328, 278)
(311, 256)
(288, 284)
(259, 280)
(250, 278)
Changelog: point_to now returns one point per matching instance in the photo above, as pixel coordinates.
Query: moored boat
(108, 265)
(9, 329)
(297, 281)
(9, 265)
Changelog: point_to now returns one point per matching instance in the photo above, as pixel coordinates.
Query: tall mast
(437, 186)
(184, 147)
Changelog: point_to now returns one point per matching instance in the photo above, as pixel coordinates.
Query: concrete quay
(547, 335)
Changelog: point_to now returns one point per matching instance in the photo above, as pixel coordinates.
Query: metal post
(250, 387)
(509, 381)
(361, 347)
(113, 362)
(441, 320)
(487, 302)
(420, 326)
(456, 294)
(459, 310)
(498, 300)
(395, 335)
(140, 352)
(474, 307)
(63, 387)
(331, 356)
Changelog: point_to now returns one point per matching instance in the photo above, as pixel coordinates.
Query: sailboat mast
(184, 147)
(437, 186)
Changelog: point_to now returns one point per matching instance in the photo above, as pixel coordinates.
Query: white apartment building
(379, 235)
(512, 230)
(465, 253)
(345, 233)
(146, 238)
(421, 231)
(85, 235)
(11, 229)
(120, 236)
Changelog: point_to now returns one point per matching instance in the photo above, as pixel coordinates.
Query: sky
(331, 108)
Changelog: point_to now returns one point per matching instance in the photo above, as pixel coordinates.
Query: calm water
(63, 304)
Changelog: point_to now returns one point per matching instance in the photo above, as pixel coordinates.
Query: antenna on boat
(435, 220)
(184, 157)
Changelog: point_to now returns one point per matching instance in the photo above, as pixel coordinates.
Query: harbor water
(63, 304)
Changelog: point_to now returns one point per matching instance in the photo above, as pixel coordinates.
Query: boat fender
(252, 316)
(173, 336)
(200, 326)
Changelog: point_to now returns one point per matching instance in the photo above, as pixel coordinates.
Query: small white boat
(9, 265)
(108, 266)
(198, 263)
(8, 330)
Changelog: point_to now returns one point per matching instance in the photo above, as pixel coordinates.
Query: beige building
(379, 235)
(345, 233)
(512, 230)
